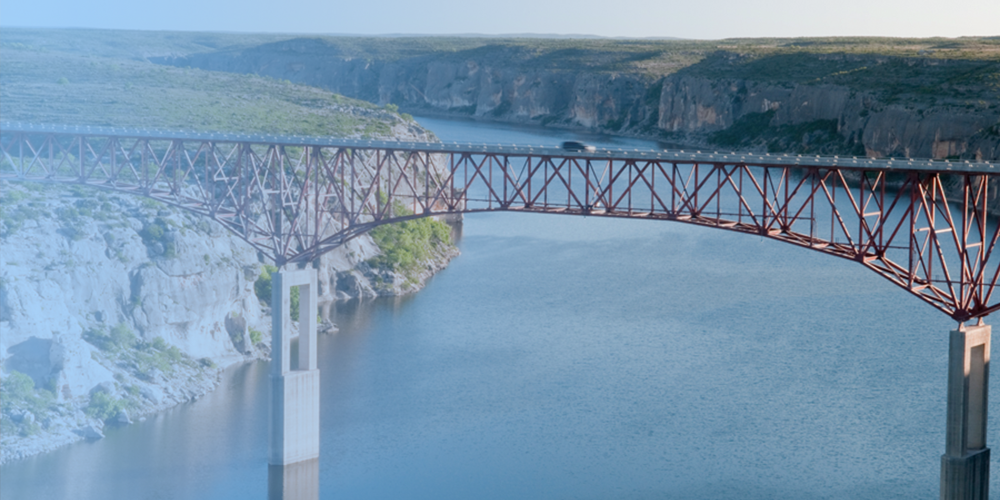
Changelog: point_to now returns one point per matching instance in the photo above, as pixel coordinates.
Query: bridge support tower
(294, 420)
(965, 465)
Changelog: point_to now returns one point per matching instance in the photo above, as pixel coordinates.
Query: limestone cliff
(106, 293)
(872, 104)
(114, 306)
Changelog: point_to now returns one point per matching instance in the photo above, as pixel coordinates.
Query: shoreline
(69, 423)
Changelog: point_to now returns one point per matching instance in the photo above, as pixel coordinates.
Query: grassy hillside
(802, 59)
(924, 72)
(103, 77)
(42, 85)
(129, 44)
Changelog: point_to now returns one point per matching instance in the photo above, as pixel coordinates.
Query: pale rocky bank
(116, 306)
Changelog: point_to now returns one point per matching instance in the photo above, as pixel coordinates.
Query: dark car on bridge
(578, 146)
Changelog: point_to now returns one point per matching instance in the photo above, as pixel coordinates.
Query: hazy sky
(630, 18)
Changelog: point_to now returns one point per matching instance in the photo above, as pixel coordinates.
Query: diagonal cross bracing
(923, 225)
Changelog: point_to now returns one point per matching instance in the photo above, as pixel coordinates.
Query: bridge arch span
(924, 225)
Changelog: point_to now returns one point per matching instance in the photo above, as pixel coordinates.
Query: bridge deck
(925, 225)
(686, 156)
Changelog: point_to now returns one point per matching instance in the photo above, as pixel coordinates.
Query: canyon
(916, 103)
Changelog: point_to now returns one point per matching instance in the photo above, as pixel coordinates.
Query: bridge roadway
(759, 159)
(295, 198)
(294, 208)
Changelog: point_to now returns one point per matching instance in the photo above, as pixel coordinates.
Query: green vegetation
(72, 222)
(14, 217)
(815, 137)
(100, 77)
(47, 77)
(406, 245)
(256, 336)
(752, 58)
(262, 287)
(158, 231)
(104, 406)
(751, 125)
(894, 76)
(117, 340)
(121, 346)
(18, 394)
(18, 390)
(126, 44)
(25, 201)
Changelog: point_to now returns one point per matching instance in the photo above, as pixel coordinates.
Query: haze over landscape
(606, 349)
(713, 19)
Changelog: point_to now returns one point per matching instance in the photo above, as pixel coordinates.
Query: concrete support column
(965, 465)
(294, 420)
(298, 481)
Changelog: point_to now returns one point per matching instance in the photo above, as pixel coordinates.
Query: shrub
(17, 387)
(152, 204)
(122, 336)
(18, 391)
(262, 288)
(158, 231)
(14, 218)
(747, 127)
(256, 336)
(104, 406)
(406, 244)
(157, 355)
(153, 232)
(159, 344)
(30, 428)
(13, 196)
(119, 339)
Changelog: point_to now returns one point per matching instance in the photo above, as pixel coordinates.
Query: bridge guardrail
(761, 159)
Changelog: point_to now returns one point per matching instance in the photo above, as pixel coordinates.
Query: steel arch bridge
(923, 225)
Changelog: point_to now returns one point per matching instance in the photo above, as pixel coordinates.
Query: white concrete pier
(965, 465)
(294, 420)
(299, 481)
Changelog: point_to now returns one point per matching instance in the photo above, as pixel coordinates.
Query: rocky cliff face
(864, 124)
(88, 277)
(114, 306)
(688, 106)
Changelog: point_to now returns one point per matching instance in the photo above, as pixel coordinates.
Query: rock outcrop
(114, 306)
(111, 303)
(875, 115)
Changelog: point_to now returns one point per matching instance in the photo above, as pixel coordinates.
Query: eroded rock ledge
(113, 307)
(753, 98)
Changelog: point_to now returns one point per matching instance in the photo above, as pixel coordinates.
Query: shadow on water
(293, 482)
(584, 358)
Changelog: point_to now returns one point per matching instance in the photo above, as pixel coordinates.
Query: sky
(696, 19)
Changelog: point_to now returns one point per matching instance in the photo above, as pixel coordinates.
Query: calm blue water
(578, 358)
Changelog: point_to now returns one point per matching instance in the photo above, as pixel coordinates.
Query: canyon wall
(113, 306)
(707, 104)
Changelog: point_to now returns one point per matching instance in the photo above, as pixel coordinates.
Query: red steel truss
(924, 227)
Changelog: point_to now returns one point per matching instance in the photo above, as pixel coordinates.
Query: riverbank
(114, 307)
(566, 349)
(918, 98)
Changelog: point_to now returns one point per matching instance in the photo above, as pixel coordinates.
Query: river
(577, 358)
